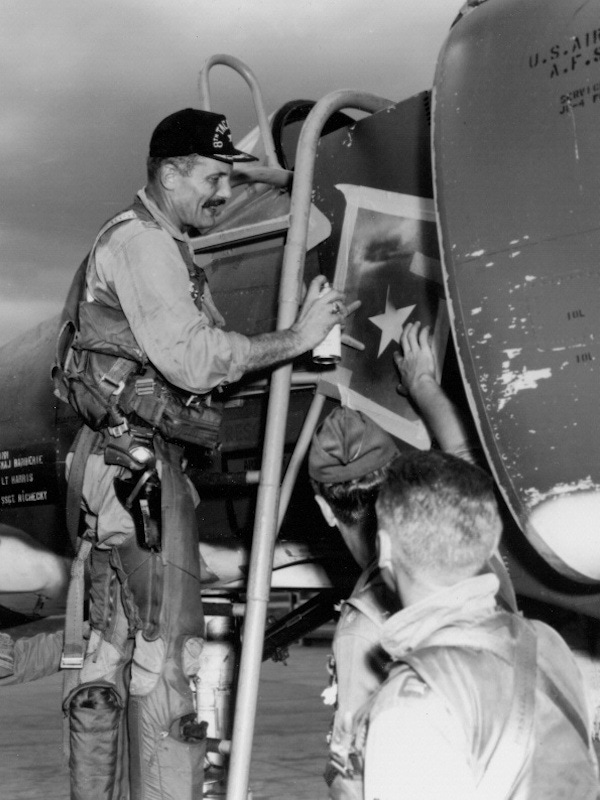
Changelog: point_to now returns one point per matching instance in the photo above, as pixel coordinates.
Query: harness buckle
(119, 385)
(144, 386)
(118, 430)
(71, 662)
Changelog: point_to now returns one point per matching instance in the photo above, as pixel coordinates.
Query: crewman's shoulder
(362, 620)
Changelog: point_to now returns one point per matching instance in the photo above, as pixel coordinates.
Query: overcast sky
(84, 82)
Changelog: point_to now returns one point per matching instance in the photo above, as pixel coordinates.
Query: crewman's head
(438, 519)
(347, 463)
(189, 166)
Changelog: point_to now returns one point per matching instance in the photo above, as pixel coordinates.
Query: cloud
(17, 317)
(35, 274)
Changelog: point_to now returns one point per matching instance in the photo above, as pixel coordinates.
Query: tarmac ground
(289, 744)
(289, 749)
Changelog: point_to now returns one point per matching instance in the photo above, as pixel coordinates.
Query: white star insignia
(391, 322)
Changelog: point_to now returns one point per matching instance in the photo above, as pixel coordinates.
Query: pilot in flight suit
(150, 346)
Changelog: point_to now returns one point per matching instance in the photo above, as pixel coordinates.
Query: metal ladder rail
(265, 527)
(246, 73)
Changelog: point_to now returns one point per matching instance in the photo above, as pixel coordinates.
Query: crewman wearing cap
(347, 464)
(150, 347)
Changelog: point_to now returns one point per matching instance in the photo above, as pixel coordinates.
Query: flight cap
(348, 445)
(192, 131)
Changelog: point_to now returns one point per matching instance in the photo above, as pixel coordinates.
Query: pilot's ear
(326, 511)
(167, 175)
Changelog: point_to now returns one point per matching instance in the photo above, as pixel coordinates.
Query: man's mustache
(218, 201)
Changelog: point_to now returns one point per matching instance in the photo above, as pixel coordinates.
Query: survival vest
(540, 698)
(101, 371)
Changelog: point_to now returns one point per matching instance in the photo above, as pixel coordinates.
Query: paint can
(329, 351)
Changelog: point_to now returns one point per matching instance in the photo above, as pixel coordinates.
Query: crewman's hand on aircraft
(447, 424)
(416, 363)
(319, 313)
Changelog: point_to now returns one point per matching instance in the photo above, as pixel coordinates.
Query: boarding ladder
(273, 493)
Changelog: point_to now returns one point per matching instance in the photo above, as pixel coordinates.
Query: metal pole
(265, 527)
(302, 445)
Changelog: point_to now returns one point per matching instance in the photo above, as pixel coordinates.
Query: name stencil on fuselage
(27, 477)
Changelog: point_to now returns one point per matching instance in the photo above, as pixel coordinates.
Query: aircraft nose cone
(565, 528)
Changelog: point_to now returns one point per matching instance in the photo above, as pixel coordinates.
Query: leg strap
(85, 442)
(73, 652)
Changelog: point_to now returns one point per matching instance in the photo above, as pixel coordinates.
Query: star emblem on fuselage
(390, 322)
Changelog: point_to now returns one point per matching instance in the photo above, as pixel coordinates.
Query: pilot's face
(197, 197)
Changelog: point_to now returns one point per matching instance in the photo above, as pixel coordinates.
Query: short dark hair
(183, 164)
(353, 502)
(440, 514)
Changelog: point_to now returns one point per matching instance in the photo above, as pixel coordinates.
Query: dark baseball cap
(193, 131)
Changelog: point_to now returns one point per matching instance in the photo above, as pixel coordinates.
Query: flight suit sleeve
(29, 658)
(144, 269)
(359, 672)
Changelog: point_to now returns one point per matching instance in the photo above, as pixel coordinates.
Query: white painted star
(391, 322)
